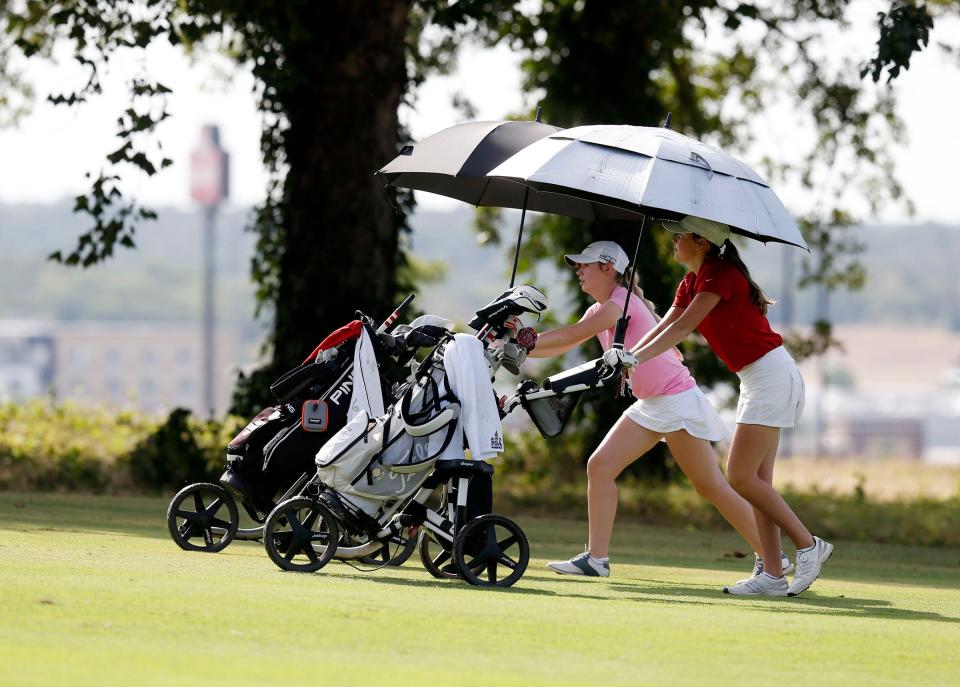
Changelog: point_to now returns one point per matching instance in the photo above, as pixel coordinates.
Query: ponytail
(728, 253)
(632, 284)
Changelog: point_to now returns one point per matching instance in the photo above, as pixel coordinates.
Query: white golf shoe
(785, 565)
(809, 563)
(584, 564)
(763, 584)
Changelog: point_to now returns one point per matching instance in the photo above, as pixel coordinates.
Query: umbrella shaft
(516, 253)
(620, 332)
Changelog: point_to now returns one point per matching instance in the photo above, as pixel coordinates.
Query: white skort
(689, 410)
(771, 391)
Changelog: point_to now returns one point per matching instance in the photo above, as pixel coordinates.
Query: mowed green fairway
(95, 593)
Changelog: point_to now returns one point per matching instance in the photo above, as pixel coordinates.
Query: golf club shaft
(387, 323)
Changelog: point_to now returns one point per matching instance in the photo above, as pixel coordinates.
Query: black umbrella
(454, 163)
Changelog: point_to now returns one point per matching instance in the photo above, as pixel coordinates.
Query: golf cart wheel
(401, 554)
(301, 535)
(491, 551)
(202, 517)
(436, 557)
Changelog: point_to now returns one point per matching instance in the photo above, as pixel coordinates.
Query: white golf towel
(367, 394)
(469, 377)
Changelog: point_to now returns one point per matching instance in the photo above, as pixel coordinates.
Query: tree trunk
(340, 245)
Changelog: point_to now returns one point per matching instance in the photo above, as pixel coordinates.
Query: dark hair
(728, 254)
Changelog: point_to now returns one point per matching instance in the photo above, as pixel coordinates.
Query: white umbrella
(656, 172)
(454, 162)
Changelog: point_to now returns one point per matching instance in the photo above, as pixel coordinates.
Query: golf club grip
(620, 332)
(387, 323)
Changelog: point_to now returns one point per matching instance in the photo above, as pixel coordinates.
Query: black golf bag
(280, 443)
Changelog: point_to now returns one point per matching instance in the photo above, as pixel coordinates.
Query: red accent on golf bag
(345, 333)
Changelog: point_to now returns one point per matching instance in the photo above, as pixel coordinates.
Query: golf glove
(617, 357)
(526, 338)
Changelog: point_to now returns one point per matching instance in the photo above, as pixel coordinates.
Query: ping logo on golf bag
(338, 393)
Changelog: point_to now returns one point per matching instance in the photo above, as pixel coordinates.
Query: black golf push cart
(267, 459)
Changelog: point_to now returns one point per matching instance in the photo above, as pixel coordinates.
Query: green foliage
(583, 70)
(251, 391)
(68, 447)
(548, 478)
(904, 30)
(926, 522)
(182, 450)
(319, 161)
(610, 61)
(770, 54)
(95, 32)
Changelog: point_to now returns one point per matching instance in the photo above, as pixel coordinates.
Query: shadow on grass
(452, 584)
(809, 603)
(698, 595)
(858, 562)
(647, 546)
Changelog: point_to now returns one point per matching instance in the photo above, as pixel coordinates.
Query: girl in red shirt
(720, 300)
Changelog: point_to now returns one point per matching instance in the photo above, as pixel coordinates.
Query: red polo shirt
(735, 329)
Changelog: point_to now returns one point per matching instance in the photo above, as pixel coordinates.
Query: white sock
(595, 559)
(771, 576)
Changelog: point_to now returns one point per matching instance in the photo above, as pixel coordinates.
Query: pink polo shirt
(663, 375)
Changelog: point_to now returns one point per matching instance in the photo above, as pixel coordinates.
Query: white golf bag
(374, 463)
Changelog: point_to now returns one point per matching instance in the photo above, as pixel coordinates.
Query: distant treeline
(910, 272)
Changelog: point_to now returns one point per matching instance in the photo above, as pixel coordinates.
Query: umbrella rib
(483, 191)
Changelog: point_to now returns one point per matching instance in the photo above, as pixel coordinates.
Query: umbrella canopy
(652, 171)
(455, 162)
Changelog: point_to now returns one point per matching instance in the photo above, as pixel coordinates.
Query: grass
(96, 594)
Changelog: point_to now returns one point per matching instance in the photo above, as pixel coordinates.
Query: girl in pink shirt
(669, 406)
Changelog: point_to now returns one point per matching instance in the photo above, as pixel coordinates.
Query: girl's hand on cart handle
(616, 357)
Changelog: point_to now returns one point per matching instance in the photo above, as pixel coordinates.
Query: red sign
(209, 170)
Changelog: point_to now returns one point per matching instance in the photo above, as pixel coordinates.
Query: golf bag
(314, 402)
(375, 479)
(374, 463)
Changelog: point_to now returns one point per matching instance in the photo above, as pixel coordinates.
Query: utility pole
(820, 423)
(209, 187)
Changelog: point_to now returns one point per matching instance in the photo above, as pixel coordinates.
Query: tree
(627, 62)
(331, 75)
(329, 82)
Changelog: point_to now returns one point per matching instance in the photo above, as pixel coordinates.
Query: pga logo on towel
(496, 442)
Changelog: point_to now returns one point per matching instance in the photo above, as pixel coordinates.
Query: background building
(150, 366)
